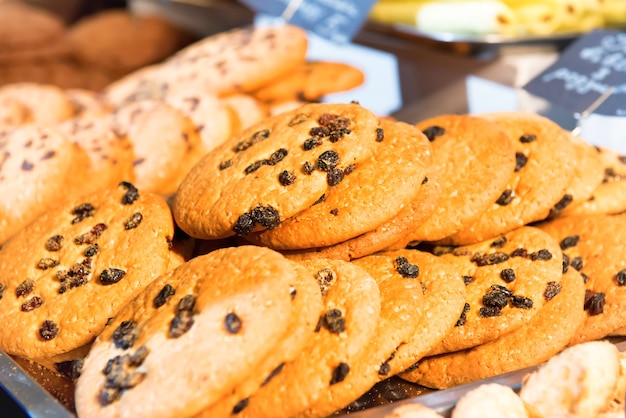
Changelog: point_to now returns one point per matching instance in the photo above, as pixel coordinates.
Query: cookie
(240, 60)
(413, 410)
(498, 399)
(47, 104)
(23, 26)
(111, 156)
(247, 109)
(474, 159)
(205, 325)
(537, 340)
(593, 245)
(39, 168)
(444, 301)
(307, 311)
(165, 142)
(393, 175)
(544, 161)
(13, 113)
(141, 84)
(311, 81)
(506, 279)
(609, 197)
(350, 315)
(274, 170)
(71, 269)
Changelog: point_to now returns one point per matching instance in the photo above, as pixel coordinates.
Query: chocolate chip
(482, 259)
(111, 275)
(569, 242)
(32, 303)
(47, 263)
(240, 406)
(620, 277)
(225, 164)
(55, 243)
(406, 269)
(594, 302)
(334, 176)
(340, 373)
(82, 211)
(307, 168)
(506, 197)
(541, 255)
(552, 289)
(334, 211)
(131, 195)
(576, 263)
(48, 330)
(334, 321)
(498, 242)
(328, 160)
(286, 178)
(92, 250)
(508, 275)
(380, 135)
(91, 236)
(561, 205)
(463, 317)
(163, 296)
(520, 161)
(527, 138)
(254, 139)
(432, 132)
(232, 323)
(124, 335)
(521, 302)
(325, 278)
(134, 221)
(24, 288)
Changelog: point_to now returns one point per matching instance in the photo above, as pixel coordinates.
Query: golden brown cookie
(544, 161)
(350, 315)
(70, 270)
(594, 245)
(205, 325)
(311, 81)
(46, 103)
(543, 336)
(371, 193)
(490, 399)
(141, 84)
(274, 170)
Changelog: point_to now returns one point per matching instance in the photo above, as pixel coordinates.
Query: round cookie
(536, 341)
(46, 103)
(499, 400)
(444, 301)
(609, 197)
(273, 170)
(505, 282)
(141, 84)
(111, 156)
(190, 337)
(165, 143)
(348, 322)
(594, 245)
(544, 161)
(239, 60)
(474, 159)
(311, 81)
(72, 268)
(393, 174)
(39, 168)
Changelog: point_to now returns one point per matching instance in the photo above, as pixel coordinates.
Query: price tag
(592, 68)
(337, 20)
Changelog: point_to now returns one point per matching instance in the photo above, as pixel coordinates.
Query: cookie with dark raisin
(544, 166)
(474, 159)
(594, 246)
(506, 279)
(165, 143)
(609, 195)
(207, 325)
(543, 336)
(74, 267)
(39, 169)
(351, 309)
(145, 83)
(371, 192)
(236, 189)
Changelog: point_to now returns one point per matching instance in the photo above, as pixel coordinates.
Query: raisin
(541, 255)
(594, 302)
(186, 303)
(2, 289)
(48, 330)
(463, 317)
(254, 139)
(384, 369)
(334, 177)
(520, 252)
(620, 277)
(307, 168)
(482, 259)
(425, 180)
(70, 369)
(576, 263)
(499, 242)
(311, 143)
(91, 236)
(240, 406)
(585, 277)
(131, 195)
(266, 216)
(527, 138)
(163, 296)
(24, 288)
(293, 292)
(561, 204)
(327, 160)
(325, 278)
(277, 156)
(380, 135)
(565, 263)
(552, 289)
(244, 225)
(334, 322)
(406, 269)
(432, 132)
(32, 303)
(134, 221)
(497, 296)
(254, 166)
(521, 302)
(137, 358)
(225, 164)
(47, 263)
(340, 373)
(55, 243)
(180, 324)
(82, 211)
(232, 323)
(508, 275)
(349, 169)
(286, 178)
(77, 275)
(506, 197)
(273, 373)
(489, 311)
(520, 161)
(92, 250)
(334, 211)
(569, 242)
(320, 200)
(124, 335)
(468, 279)
(298, 119)
(111, 275)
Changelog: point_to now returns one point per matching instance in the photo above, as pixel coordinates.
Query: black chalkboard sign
(587, 69)
(337, 20)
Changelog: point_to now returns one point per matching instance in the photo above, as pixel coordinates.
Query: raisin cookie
(348, 322)
(70, 270)
(393, 174)
(594, 245)
(543, 336)
(543, 171)
(274, 170)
